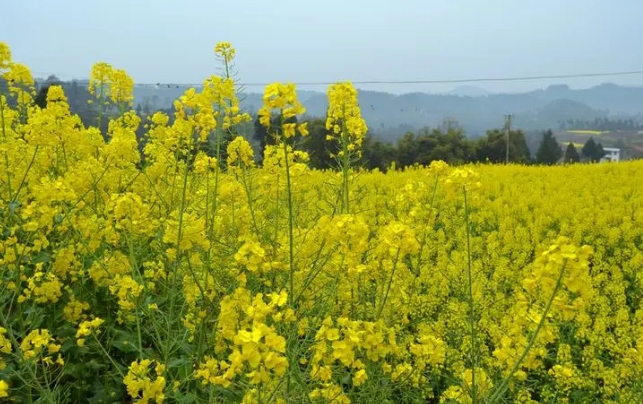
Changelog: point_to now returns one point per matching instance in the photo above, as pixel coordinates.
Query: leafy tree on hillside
(407, 150)
(549, 151)
(261, 135)
(41, 97)
(589, 148)
(377, 154)
(493, 147)
(448, 144)
(268, 136)
(593, 151)
(571, 154)
(600, 152)
(319, 149)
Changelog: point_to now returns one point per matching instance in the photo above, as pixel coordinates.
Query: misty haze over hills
(455, 46)
(475, 109)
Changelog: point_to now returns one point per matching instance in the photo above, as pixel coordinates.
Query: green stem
(291, 264)
(472, 326)
(24, 177)
(290, 225)
(175, 274)
(4, 136)
(109, 357)
(248, 189)
(27, 364)
(217, 169)
(505, 382)
(2, 122)
(345, 162)
(390, 282)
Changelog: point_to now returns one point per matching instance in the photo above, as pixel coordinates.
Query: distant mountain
(469, 91)
(557, 111)
(475, 109)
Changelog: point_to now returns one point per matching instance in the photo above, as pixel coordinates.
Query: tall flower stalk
(346, 126)
(221, 94)
(283, 97)
(112, 88)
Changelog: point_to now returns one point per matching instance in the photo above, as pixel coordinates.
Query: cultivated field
(190, 278)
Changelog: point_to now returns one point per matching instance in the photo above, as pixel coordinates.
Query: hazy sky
(311, 41)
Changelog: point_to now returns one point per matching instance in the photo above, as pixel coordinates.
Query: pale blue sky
(301, 41)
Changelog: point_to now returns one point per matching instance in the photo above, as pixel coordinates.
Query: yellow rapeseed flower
(225, 50)
(283, 98)
(4, 389)
(5, 56)
(140, 386)
(344, 116)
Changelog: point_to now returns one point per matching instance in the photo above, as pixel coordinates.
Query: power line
(396, 82)
(474, 80)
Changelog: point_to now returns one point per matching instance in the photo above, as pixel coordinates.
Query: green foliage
(449, 145)
(266, 136)
(407, 150)
(571, 154)
(603, 124)
(593, 151)
(549, 151)
(319, 149)
(378, 154)
(493, 148)
(41, 97)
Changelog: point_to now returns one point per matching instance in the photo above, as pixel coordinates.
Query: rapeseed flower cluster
(141, 386)
(344, 118)
(4, 389)
(110, 84)
(86, 328)
(283, 98)
(5, 55)
(39, 345)
(170, 272)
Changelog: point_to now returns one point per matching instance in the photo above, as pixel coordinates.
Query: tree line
(448, 142)
(602, 124)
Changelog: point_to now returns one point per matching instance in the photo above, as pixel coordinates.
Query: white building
(611, 154)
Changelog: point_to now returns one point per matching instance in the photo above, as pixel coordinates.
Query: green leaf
(124, 342)
(187, 398)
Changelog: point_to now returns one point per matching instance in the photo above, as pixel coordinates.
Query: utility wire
(396, 82)
(523, 78)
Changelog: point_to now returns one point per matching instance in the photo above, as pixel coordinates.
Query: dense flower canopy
(152, 270)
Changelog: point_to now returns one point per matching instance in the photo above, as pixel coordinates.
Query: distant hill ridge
(475, 109)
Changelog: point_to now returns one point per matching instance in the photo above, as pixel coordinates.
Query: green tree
(448, 143)
(319, 149)
(377, 154)
(493, 147)
(407, 150)
(41, 97)
(600, 152)
(549, 151)
(261, 136)
(589, 149)
(268, 136)
(571, 154)
(593, 151)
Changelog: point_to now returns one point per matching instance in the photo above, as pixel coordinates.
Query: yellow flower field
(587, 132)
(169, 275)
